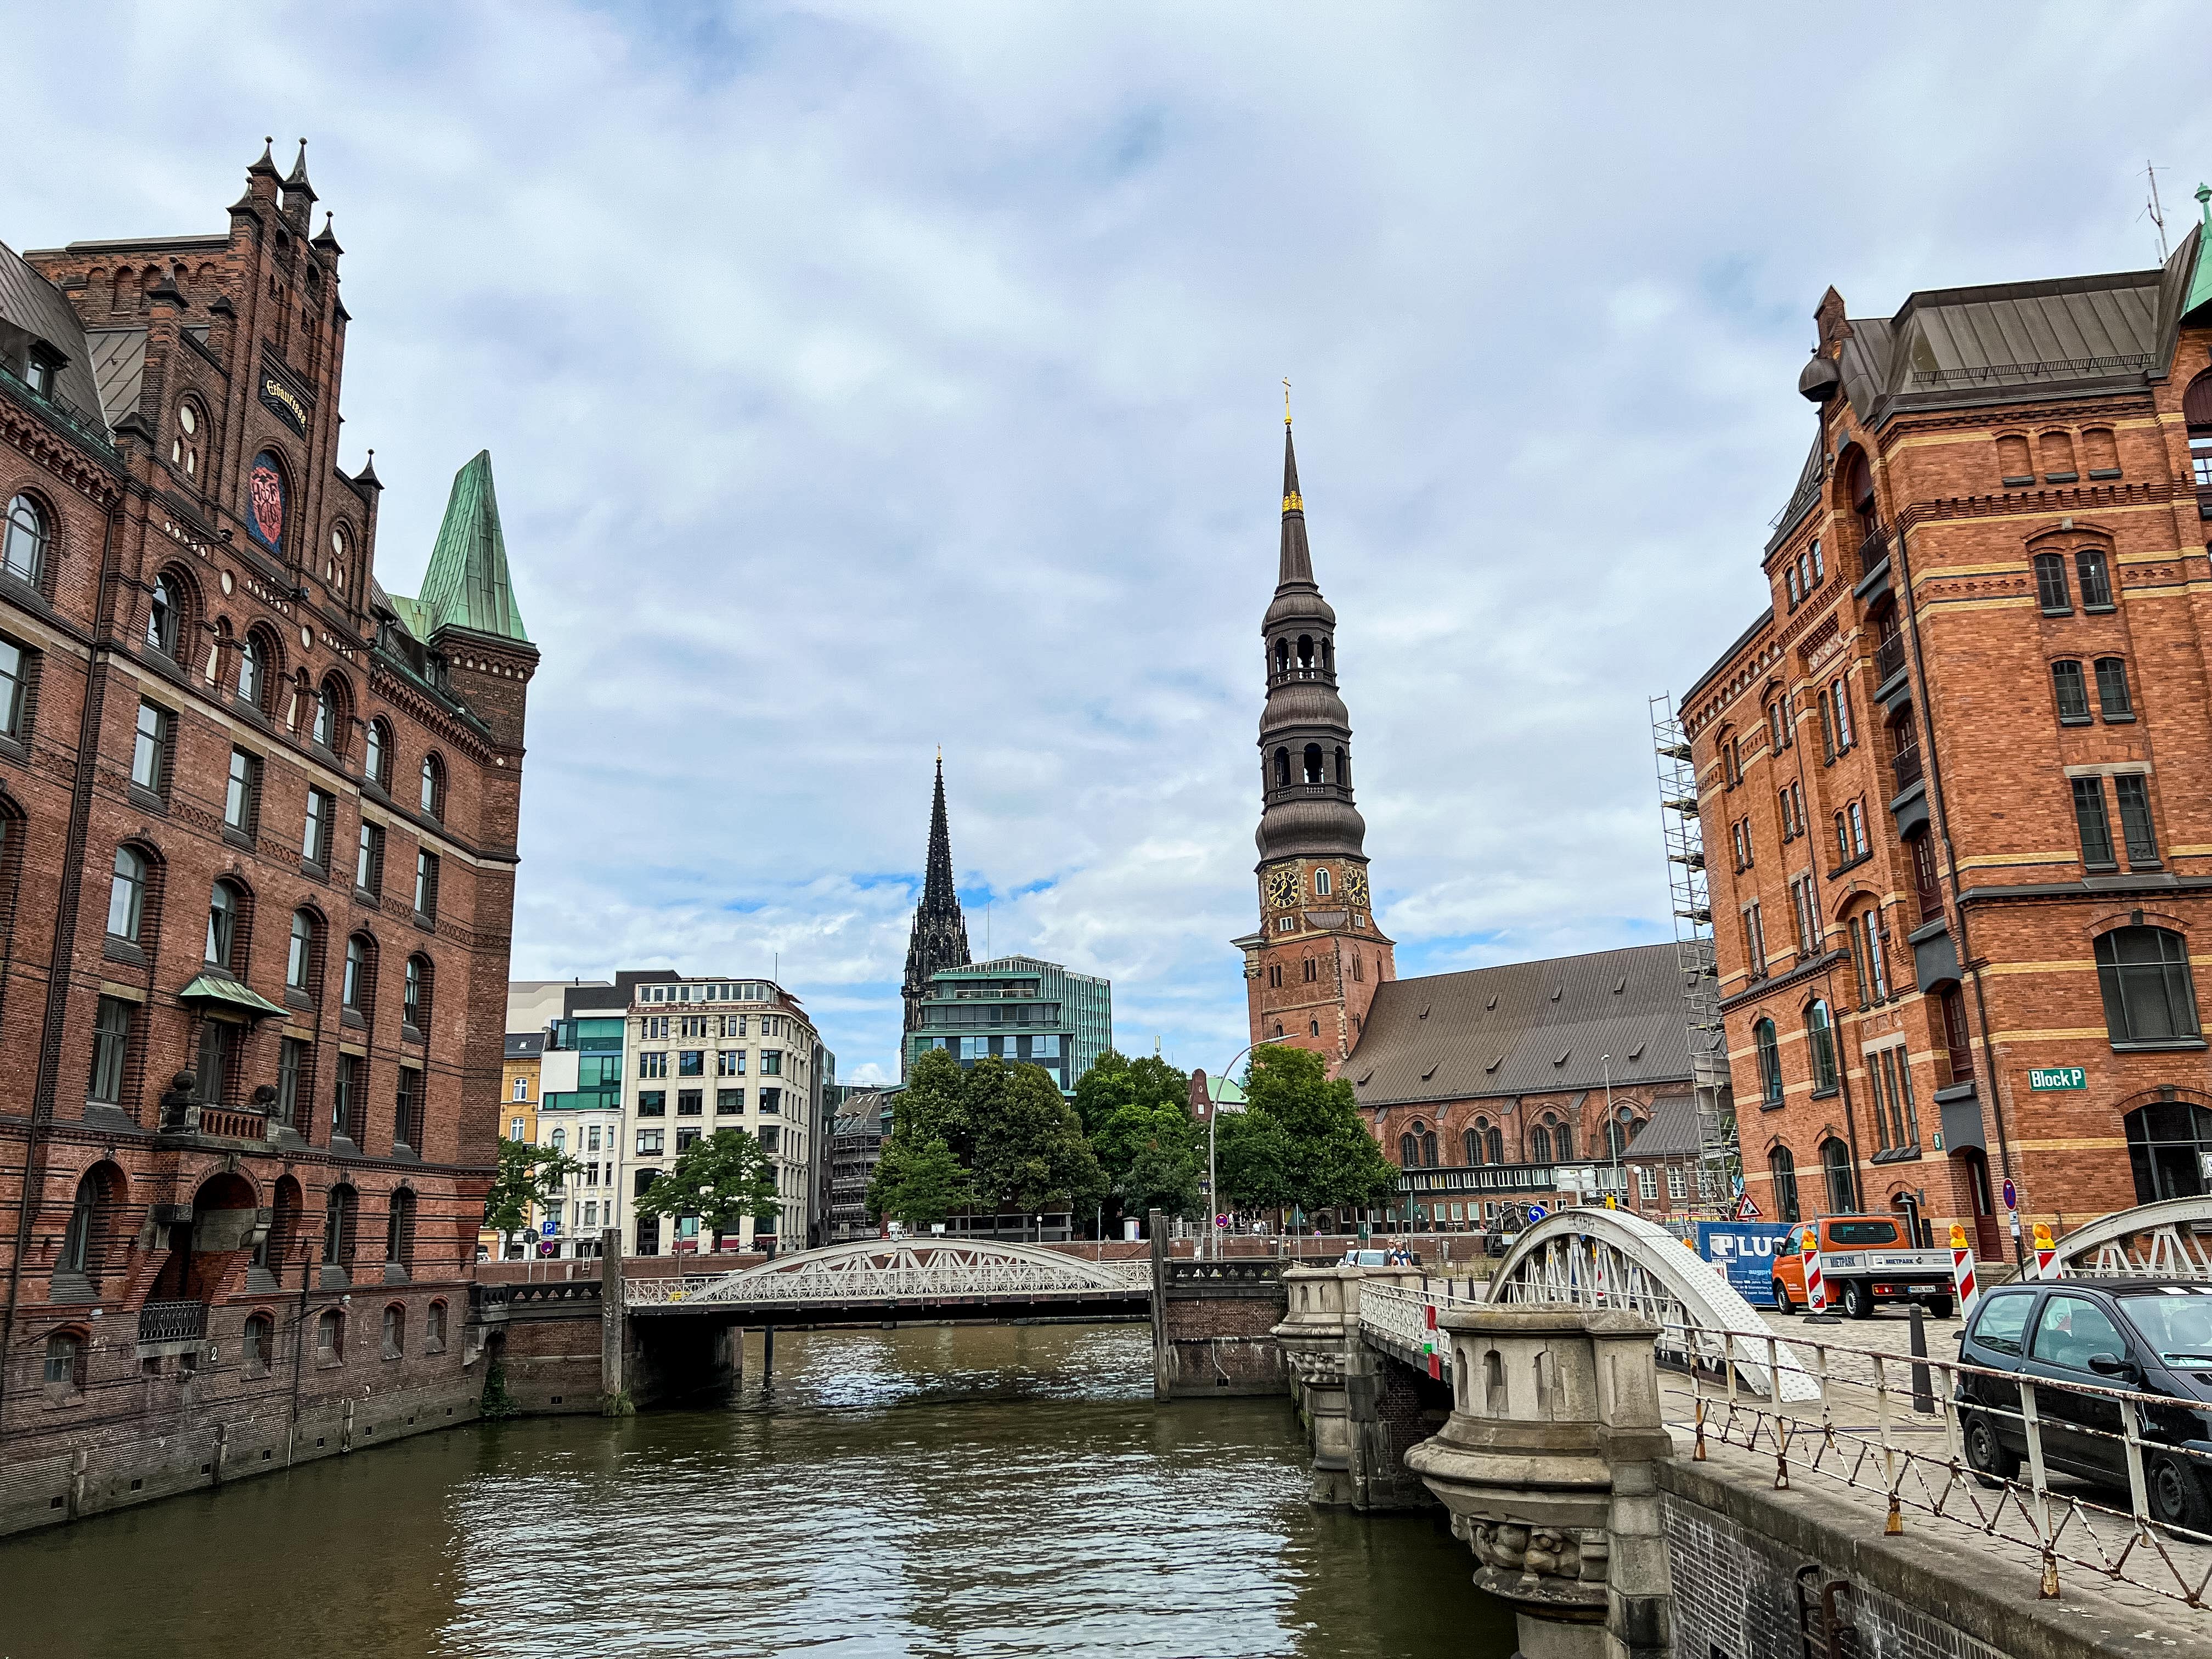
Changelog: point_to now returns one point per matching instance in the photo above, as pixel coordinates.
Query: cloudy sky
(861, 379)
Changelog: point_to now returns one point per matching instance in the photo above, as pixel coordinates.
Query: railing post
(1894, 1524)
(2031, 1420)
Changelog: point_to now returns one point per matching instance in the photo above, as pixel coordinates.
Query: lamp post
(1612, 1135)
(1213, 1191)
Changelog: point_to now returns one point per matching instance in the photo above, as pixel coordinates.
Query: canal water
(967, 1490)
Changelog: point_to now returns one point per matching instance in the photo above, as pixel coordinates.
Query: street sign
(2057, 1077)
(1536, 1212)
(1221, 1221)
(551, 1227)
(1748, 1210)
(2011, 1195)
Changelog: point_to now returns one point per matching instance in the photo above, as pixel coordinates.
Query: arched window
(1282, 766)
(126, 896)
(395, 1331)
(376, 754)
(1305, 653)
(1770, 1062)
(1313, 763)
(1540, 1143)
(268, 500)
(1343, 770)
(433, 1328)
(301, 954)
(2112, 696)
(1494, 1144)
(1784, 1169)
(2196, 409)
(1836, 1169)
(334, 568)
(222, 923)
(252, 669)
(560, 1142)
(338, 1227)
(415, 1009)
(1282, 656)
(1820, 1044)
(1429, 1148)
(2169, 1148)
(1313, 1028)
(28, 534)
(257, 1347)
(2144, 974)
(360, 978)
(1409, 1152)
(399, 1229)
(1563, 1140)
(1320, 882)
(65, 1356)
(434, 786)
(330, 1337)
(164, 617)
(1471, 1147)
(184, 446)
(330, 716)
(84, 1244)
(2052, 591)
(2089, 563)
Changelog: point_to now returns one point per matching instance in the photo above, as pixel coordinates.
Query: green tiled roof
(2200, 280)
(466, 585)
(215, 986)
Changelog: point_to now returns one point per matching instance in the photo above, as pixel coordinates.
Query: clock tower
(1311, 970)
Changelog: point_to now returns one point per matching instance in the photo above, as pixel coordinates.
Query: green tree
(1151, 1156)
(1252, 1161)
(918, 1183)
(1030, 1148)
(935, 1106)
(1329, 1160)
(528, 1177)
(1115, 1081)
(721, 1178)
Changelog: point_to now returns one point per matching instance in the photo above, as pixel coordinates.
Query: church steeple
(939, 939)
(1312, 969)
(1305, 733)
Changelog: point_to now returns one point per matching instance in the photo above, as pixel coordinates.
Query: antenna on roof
(2154, 213)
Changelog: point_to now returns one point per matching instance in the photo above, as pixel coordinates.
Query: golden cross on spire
(1286, 400)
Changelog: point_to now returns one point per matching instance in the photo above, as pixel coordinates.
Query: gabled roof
(524, 1045)
(1525, 1028)
(466, 585)
(1670, 1132)
(31, 305)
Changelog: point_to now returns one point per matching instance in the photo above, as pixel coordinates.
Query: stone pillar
(1163, 1371)
(613, 1393)
(1546, 1466)
(1339, 1383)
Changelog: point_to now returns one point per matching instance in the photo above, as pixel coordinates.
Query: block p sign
(2043, 1079)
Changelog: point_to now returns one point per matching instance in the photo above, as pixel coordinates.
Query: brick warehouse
(258, 824)
(1955, 784)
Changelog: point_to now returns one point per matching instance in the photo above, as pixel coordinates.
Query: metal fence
(1929, 1451)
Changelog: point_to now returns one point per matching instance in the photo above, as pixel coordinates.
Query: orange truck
(1865, 1261)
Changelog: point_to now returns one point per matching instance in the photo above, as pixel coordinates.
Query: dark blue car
(2152, 1335)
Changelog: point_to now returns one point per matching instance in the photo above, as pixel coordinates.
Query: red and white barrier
(1429, 1342)
(1962, 1270)
(2047, 1265)
(1816, 1288)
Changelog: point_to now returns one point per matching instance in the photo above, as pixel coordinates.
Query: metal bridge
(889, 1278)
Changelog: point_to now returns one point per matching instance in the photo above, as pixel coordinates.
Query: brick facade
(1992, 604)
(123, 1181)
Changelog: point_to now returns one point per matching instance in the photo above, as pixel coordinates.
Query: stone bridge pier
(1548, 1464)
(1362, 1410)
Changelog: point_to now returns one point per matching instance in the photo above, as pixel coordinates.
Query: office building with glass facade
(1020, 1008)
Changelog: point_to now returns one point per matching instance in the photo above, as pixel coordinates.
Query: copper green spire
(2200, 279)
(466, 585)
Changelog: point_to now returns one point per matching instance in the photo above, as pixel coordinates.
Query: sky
(862, 378)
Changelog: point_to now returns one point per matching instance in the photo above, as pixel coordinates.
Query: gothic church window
(1313, 763)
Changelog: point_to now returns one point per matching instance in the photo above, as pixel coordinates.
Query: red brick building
(257, 855)
(1956, 783)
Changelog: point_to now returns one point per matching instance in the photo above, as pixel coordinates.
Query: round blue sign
(2011, 1196)
(1536, 1212)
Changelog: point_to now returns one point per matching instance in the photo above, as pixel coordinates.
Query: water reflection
(978, 1491)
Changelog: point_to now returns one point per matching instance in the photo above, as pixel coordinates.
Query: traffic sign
(1748, 1210)
(2011, 1195)
(1221, 1221)
(1536, 1212)
(551, 1227)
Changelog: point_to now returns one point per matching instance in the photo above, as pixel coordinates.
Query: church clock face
(1283, 887)
(1355, 887)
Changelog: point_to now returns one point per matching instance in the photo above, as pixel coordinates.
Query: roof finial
(1286, 400)
(2204, 201)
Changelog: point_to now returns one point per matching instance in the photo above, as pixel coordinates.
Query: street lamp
(1612, 1135)
(1213, 1191)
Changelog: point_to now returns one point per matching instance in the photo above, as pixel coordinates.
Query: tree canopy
(1152, 1156)
(1115, 1081)
(528, 1176)
(1301, 1134)
(997, 1136)
(919, 1182)
(719, 1178)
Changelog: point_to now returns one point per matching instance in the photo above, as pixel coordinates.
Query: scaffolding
(1721, 1164)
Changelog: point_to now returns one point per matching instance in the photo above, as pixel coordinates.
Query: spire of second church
(939, 939)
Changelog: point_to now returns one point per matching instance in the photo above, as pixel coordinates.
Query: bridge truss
(1614, 1259)
(886, 1273)
(2169, 1239)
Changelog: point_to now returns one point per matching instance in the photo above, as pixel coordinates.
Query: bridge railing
(1967, 1450)
(1396, 1316)
(929, 1281)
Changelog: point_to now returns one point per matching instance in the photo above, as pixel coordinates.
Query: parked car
(1365, 1259)
(1865, 1261)
(2152, 1335)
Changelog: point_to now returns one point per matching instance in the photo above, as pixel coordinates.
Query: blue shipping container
(1744, 1250)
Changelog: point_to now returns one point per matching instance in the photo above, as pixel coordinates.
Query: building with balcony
(1955, 781)
(1020, 1008)
(258, 822)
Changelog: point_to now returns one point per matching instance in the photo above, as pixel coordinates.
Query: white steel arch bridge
(885, 1278)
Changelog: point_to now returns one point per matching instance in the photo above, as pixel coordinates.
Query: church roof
(1524, 1028)
(1670, 1132)
(467, 584)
